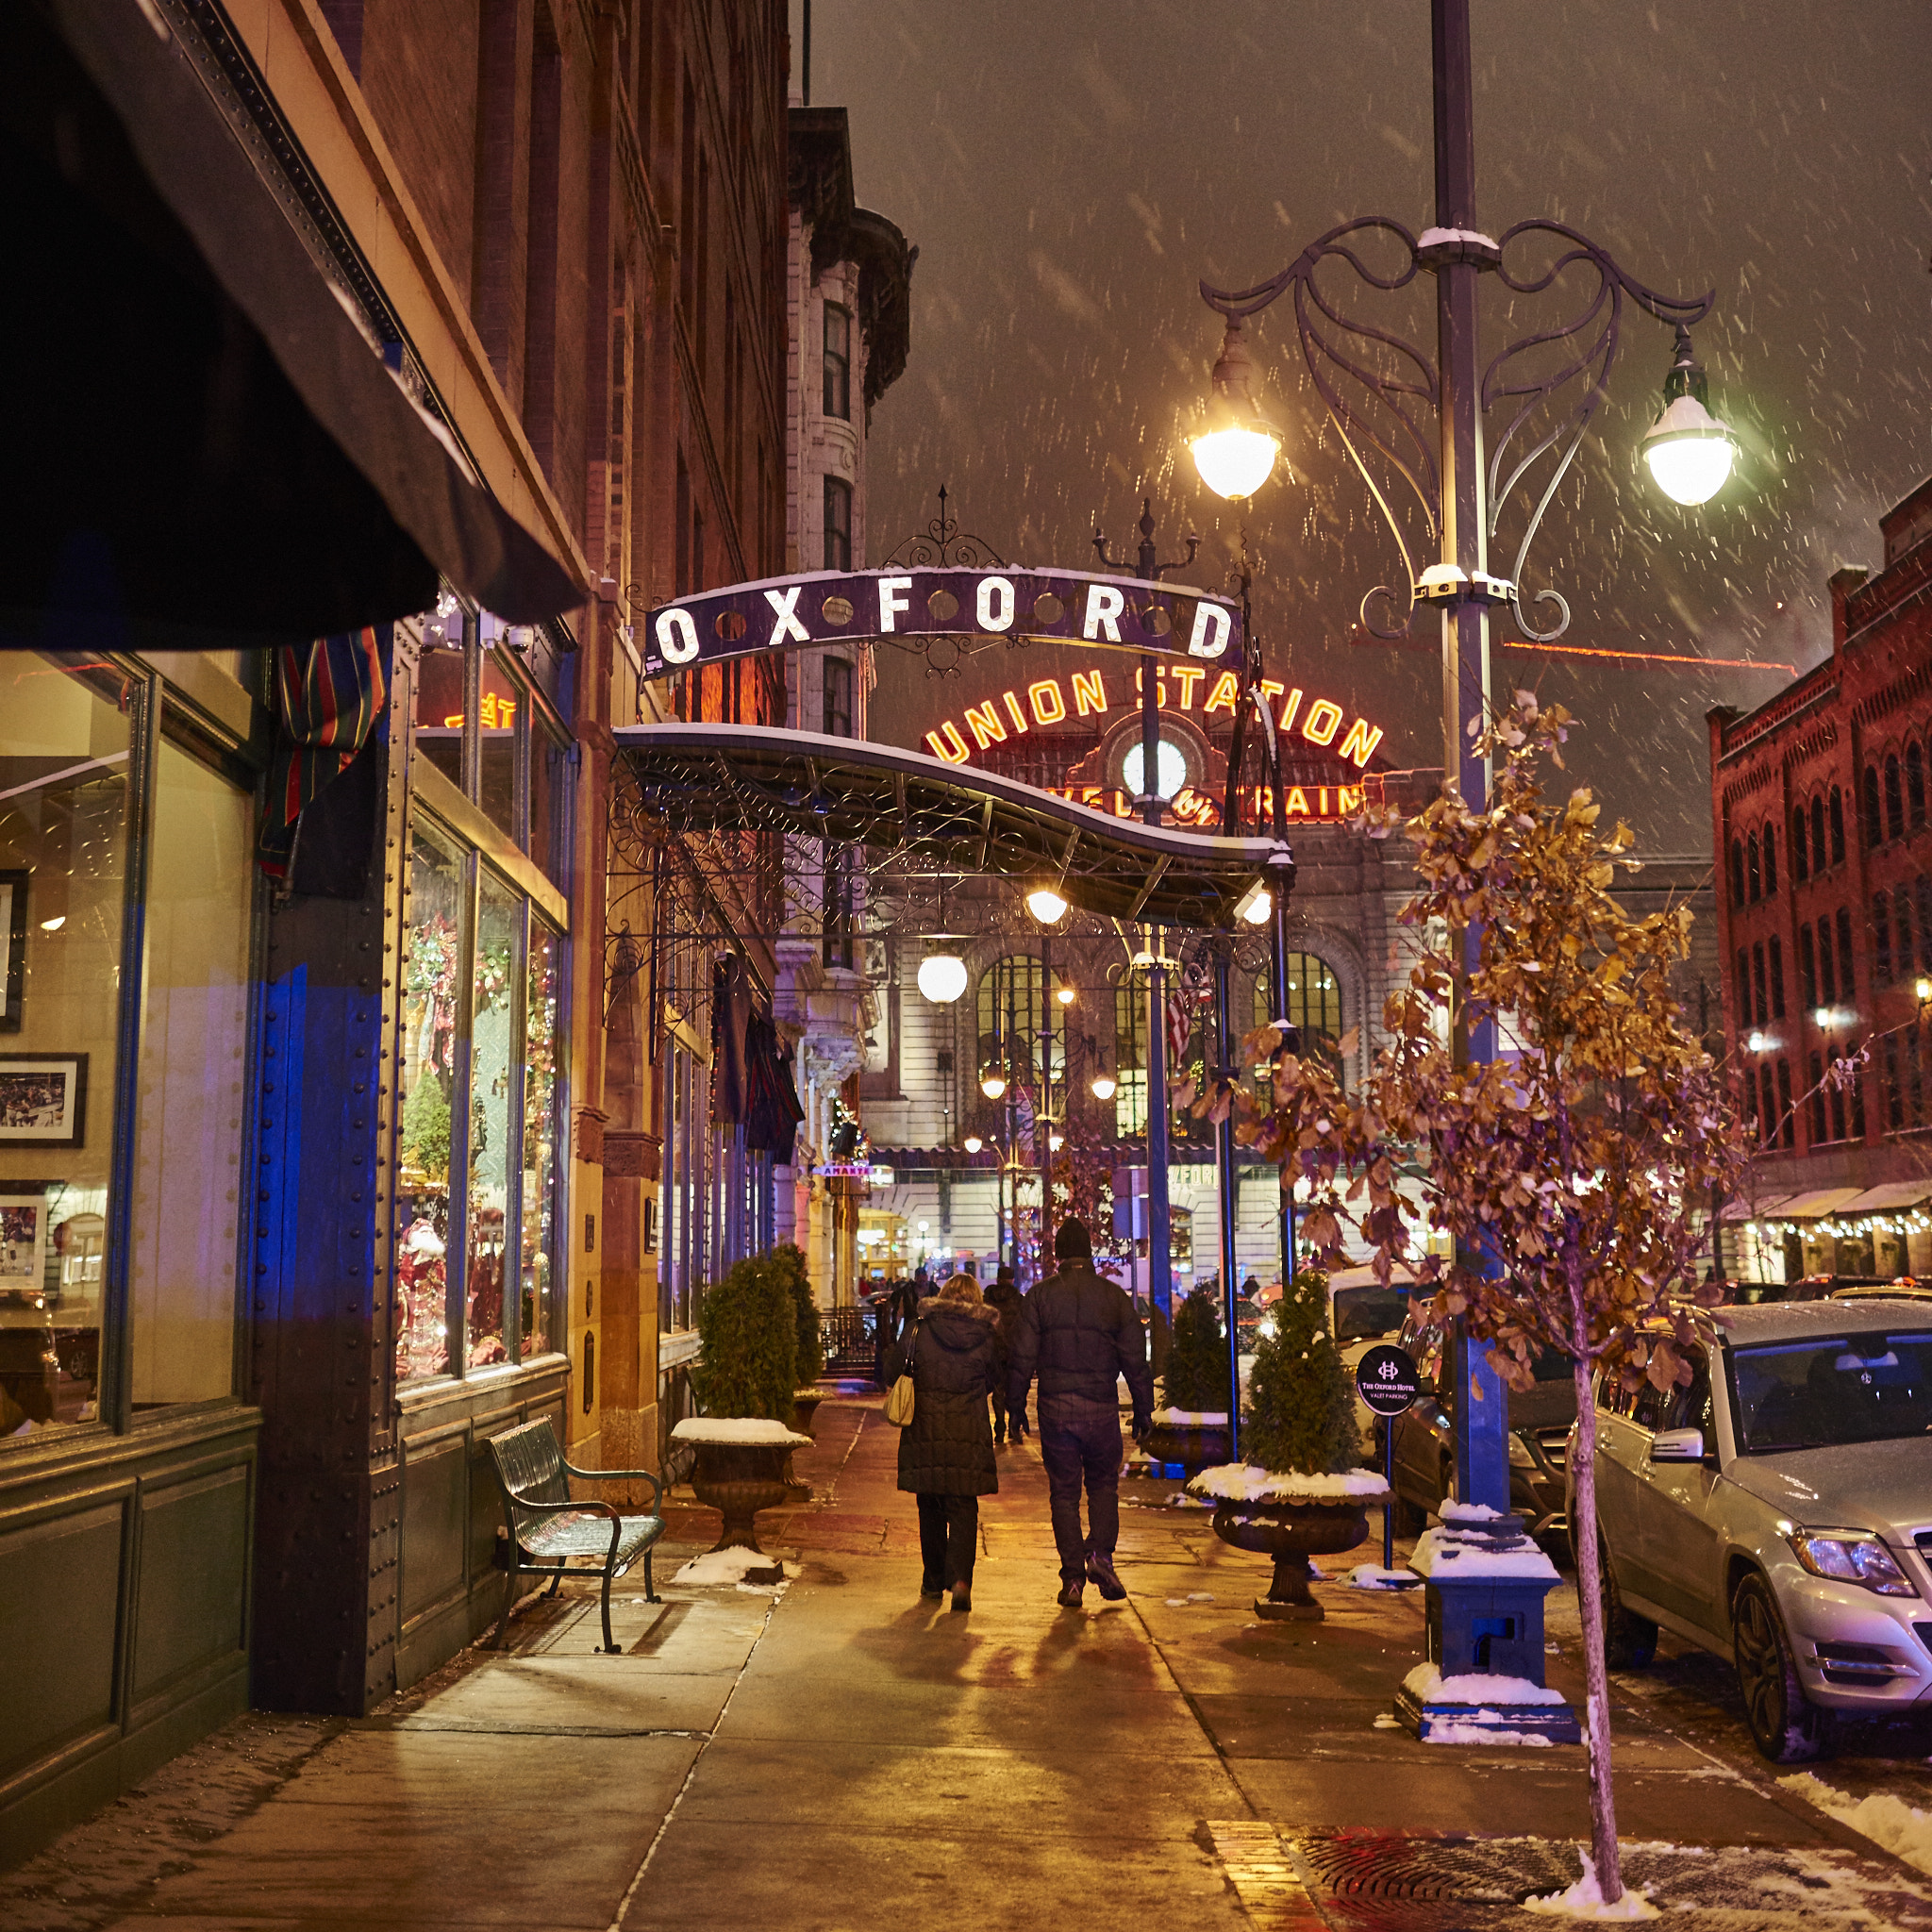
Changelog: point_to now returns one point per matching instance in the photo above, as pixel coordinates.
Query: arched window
(1874, 831)
(1737, 872)
(1314, 1004)
(1915, 785)
(1801, 871)
(1818, 832)
(1130, 1056)
(1807, 967)
(1754, 877)
(1838, 827)
(1902, 924)
(1011, 998)
(1827, 966)
(1770, 860)
(1777, 978)
(1785, 1125)
(1894, 798)
(1881, 937)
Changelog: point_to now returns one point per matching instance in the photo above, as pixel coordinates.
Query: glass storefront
(480, 1059)
(118, 1227)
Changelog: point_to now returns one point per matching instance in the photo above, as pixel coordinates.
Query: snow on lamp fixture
(942, 977)
(1689, 450)
(1235, 453)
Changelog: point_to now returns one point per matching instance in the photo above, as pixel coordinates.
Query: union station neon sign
(830, 607)
(1048, 702)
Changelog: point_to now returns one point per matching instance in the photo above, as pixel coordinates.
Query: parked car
(1540, 1423)
(1777, 1512)
(1808, 1287)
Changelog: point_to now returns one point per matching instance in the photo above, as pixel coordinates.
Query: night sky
(1069, 172)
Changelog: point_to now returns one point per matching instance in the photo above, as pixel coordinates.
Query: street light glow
(1104, 1088)
(992, 1083)
(1064, 993)
(973, 1144)
(943, 978)
(1046, 905)
(1235, 454)
(1689, 452)
(1257, 905)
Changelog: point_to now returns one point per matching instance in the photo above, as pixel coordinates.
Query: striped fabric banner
(329, 697)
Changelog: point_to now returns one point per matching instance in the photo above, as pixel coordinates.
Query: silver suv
(1778, 1512)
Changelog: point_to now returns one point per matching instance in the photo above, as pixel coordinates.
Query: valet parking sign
(1385, 1378)
(825, 607)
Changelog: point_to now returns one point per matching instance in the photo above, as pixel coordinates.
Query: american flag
(1180, 1023)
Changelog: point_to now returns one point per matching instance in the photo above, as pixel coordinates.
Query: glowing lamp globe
(943, 978)
(973, 1144)
(1236, 449)
(1104, 1088)
(992, 1083)
(1689, 453)
(1046, 906)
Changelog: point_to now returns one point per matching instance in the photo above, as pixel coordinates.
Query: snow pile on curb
(1372, 1576)
(1427, 1685)
(738, 1430)
(1903, 1829)
(721, 1568)
(1585, 1900)
(1190, 1418)
(1479, 1732)
(1242, 1482)
(1449, 1511)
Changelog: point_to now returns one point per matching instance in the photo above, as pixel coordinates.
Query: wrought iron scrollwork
(941, 546)
(1375, 386)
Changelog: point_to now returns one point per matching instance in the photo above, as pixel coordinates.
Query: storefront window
(193, 1088)
(543, 1136)
(439, 710)
(426, 1081)
(498, 917)
(550, 806)
(64, 751)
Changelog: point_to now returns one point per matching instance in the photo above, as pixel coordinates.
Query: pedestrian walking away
(1004, 1298)
(1080, 1334)
(945, 1452)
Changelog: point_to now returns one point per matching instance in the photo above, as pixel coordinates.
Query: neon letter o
(995, 606)
(677, 637)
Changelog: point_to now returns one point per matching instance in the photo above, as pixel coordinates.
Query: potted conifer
(806, 1396)
(745, 1377)
(1192, 1429)
(1298, 1493)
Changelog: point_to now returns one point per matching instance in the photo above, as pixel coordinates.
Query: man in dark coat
(1005, 1300)
(1080, 1335)
(945, 1452)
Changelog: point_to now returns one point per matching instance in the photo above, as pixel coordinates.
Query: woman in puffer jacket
(945, 1452)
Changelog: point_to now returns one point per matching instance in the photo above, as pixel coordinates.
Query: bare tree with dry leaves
(1571, 1168)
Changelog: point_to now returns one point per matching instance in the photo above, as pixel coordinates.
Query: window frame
(837, 493)
(835, 392)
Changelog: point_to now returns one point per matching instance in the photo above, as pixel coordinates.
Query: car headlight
(1850, 1557)
(1519, 1455)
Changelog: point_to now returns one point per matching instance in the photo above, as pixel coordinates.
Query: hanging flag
(329, 697)
(1180, 1023)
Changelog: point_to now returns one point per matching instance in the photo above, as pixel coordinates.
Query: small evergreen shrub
(1197, 1376)
(790, 1259)
(748, 1325)
(425, 1127)
(1301, 1410)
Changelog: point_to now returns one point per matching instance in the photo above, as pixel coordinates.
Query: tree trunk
(1597, 1720)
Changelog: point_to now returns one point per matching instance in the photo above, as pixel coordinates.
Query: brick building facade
(1820, 817)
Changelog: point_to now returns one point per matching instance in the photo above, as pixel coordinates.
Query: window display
(426, 1080)
(543, 1134)
(64, 746)
(498, 920)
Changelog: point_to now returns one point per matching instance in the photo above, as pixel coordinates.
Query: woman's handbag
(899, 1397)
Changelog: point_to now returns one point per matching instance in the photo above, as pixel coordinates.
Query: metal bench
(544, 1528)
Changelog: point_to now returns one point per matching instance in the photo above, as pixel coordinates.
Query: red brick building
(1819, 800)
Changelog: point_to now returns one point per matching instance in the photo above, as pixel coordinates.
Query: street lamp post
(1159, 1257)
(1545, 388)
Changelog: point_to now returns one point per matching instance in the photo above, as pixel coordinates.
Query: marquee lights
(1047, 702)
(830, 607)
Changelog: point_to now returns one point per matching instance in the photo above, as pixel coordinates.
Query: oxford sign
(832, 607)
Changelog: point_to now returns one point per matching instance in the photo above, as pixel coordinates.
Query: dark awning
(709, 777)
(199, 438)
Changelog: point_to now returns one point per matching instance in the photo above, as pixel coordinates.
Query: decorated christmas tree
(1196, 1380)
(1300, 1410)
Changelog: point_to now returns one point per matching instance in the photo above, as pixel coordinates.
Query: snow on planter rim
(1190, 1418)
(738, 1430)
(1242, 1482)
(1427, 1685)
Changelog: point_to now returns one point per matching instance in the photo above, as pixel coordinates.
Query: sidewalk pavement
(838, 1753)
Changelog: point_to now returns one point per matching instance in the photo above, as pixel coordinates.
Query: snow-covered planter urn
(741, 1463)
(1194, 1438)
(1298, 1495)
(1289, 1518)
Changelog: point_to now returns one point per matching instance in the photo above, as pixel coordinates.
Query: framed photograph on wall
(23, 1244)
(42, 1099)
(12, 947)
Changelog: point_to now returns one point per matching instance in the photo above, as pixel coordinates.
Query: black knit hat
(1071, 1241)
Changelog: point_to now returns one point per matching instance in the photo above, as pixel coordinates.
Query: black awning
(201, 443)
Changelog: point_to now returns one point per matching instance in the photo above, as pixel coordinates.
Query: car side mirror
(1678, 1446)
